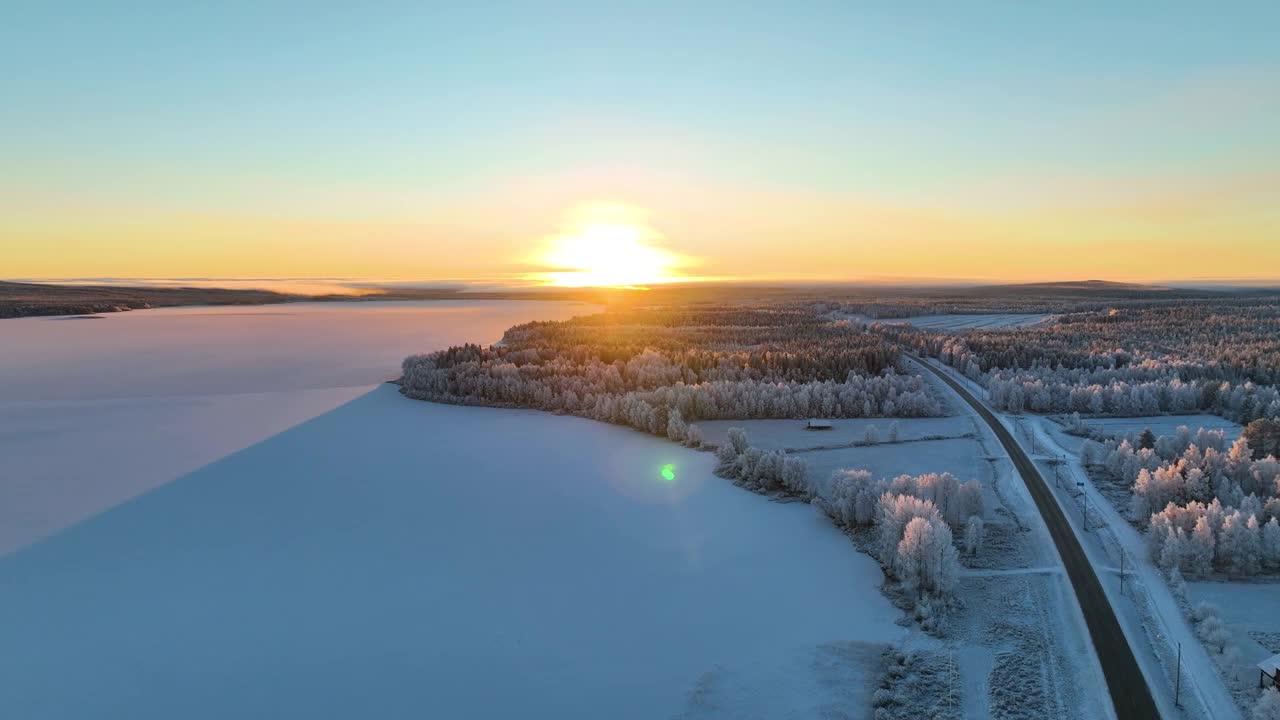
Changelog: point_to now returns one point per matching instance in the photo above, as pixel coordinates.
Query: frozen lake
(95, 411)
(382, 557)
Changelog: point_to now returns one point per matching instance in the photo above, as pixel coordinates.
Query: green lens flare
(668, 472)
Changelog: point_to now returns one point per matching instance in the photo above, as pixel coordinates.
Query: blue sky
(285, 108)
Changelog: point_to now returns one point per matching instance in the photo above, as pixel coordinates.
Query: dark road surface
(1129, 691)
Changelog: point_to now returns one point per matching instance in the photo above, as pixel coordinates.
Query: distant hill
(21, 299)
(1082, 286)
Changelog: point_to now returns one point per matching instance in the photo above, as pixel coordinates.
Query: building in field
(1269, 672)
(818, 425)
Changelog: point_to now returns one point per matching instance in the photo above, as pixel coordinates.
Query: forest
(660, 370)
(1218, 355)
(1207, 507)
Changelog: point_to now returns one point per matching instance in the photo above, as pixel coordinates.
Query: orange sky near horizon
(1228, 231)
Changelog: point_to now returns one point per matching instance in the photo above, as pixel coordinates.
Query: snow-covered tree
(1173, 554)
(693, 437)
(795, 475)
(926, 560)
(1271, 545)
(1200, 549)
(872, 435)
(973, 535)
(1176, 582)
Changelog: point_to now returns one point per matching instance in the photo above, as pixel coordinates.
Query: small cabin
(818, 425)
(1269, 670)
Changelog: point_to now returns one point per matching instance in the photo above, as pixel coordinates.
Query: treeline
(913, 516)
(1234, 339)
(1206, 508)
(659, 371)
(1198, 365)
(1215, 354)
(1150, 390)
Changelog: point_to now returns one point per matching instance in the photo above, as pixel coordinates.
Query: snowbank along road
(1129, 691)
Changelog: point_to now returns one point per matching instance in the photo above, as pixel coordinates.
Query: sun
(607, 245)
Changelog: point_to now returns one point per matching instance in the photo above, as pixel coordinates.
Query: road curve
(1130, 694)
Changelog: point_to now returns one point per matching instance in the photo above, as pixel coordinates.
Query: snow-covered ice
(394, 558)
(93, 412)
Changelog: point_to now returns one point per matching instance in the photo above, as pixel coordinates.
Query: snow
(1271, 665)
(95, 412)
(1146, 608)
(956, 321)
(1026, 628)
(394, 558)
(1164, 424)
(791, 434)
(1249, 610)
(963, 458)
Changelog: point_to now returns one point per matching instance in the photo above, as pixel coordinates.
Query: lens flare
(668, 473)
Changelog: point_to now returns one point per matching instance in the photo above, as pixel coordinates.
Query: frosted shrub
(1267, 707)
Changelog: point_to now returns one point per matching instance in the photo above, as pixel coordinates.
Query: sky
(810, 141)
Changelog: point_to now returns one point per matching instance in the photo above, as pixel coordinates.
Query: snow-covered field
(964, 322)
(1249, 610)
(792, 435)
(1163, 424)
(1017, 646)
(963, 458)
(394, 558)
(95, 411)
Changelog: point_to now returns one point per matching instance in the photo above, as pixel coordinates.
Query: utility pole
(1122, 572)
(1177, 683)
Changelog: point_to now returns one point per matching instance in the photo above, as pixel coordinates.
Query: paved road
(1129, 691)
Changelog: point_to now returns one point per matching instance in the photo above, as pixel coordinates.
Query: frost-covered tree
(893, 431)
(1176, 582)
(973, 535)
(1212, 631)
(893, 514)
(1237, 546)
(795, 475)
(1271, 545)
(872, 435)
(851, 497)
(1174, 551)
(727, 458)
(693, 437)
(925, 560)
(1200, 548)
(677, 429)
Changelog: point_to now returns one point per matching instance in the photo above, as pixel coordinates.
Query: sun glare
(608, 246)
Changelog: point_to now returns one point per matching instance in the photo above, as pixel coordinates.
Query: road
(1130, 694)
